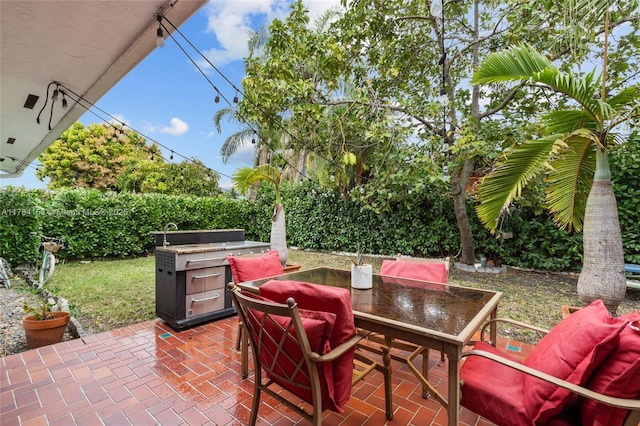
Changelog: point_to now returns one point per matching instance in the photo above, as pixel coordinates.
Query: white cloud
(232, 21)
(177, 128)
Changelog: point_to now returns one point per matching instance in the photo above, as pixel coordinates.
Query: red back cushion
(318, 297)
(427, 271)
(318, 327)
(619, 377)
(253, 268)
(572, 350)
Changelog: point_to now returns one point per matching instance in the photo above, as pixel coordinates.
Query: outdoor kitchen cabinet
(191, 278)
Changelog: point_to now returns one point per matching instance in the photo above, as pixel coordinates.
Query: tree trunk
(602, 275)
(279, 233)
(459, 184)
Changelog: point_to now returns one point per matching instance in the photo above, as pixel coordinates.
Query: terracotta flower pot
(45, 332)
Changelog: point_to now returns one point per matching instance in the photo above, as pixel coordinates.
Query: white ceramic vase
(361, 276)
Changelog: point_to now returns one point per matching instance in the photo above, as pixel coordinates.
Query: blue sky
(167, 99)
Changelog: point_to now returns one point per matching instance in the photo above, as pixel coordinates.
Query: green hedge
(99, 225)
(108, 225)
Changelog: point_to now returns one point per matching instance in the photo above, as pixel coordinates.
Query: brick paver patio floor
(150, 374)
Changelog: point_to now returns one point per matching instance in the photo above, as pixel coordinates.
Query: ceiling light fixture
(159, 32)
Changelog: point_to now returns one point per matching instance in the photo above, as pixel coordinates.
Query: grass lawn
(110, 294)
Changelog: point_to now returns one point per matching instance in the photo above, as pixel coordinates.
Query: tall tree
(189, 177)
(573, 152)
(91, 157)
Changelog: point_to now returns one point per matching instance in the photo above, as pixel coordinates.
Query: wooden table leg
(386, 361)
(453, 408)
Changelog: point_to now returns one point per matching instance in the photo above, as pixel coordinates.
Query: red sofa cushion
(572, 350)
(318, 297)
(493, 390)
(253, 268)
(427, 271)
(318, 327)
(619, 377)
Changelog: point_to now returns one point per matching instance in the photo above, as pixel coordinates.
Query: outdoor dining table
(442, 317)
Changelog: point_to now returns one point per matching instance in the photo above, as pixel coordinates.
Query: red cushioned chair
(585, 371)
(295, 349)
(435, 271)
(253, 267)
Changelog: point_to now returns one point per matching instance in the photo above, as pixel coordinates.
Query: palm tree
(243, 179)
(574, 157)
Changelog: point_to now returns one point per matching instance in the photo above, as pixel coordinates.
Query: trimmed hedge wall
(99, 225)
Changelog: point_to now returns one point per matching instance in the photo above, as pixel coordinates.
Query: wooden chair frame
(247, 306)
(633, 405)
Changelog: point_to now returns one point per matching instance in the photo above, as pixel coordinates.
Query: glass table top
(443, 308)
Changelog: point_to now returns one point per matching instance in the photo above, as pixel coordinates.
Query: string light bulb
(65, 104)
(159, 32)
(253, 139)
(436, 8)
(217, 98)
(235, 98)
(54, 97)
(171, 157)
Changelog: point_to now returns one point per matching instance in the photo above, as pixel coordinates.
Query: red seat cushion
(318, 297)
(619, 377)
(572, 350)
(427, 271)
(253, 268)
(493, 390)
(318, 326)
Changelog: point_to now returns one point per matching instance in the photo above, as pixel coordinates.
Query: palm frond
(583, 90)
(233, 143)
(245, 177)
(504, 185)
(518, 63)
(570, 180)
(625, 98)
(567, 121)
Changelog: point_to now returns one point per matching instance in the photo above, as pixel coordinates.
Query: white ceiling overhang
(87, 46)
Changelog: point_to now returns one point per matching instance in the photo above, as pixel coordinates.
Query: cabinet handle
(217, 296)
(199, 277)
(211, 259)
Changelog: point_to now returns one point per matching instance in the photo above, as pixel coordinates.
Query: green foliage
(111, 159)
(414, 220)
(91, 157)
(22, 215)
(190, 177)
(95, 224)
(625, 174)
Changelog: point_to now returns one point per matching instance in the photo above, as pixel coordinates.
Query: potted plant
(42, 326)
(361, 273)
